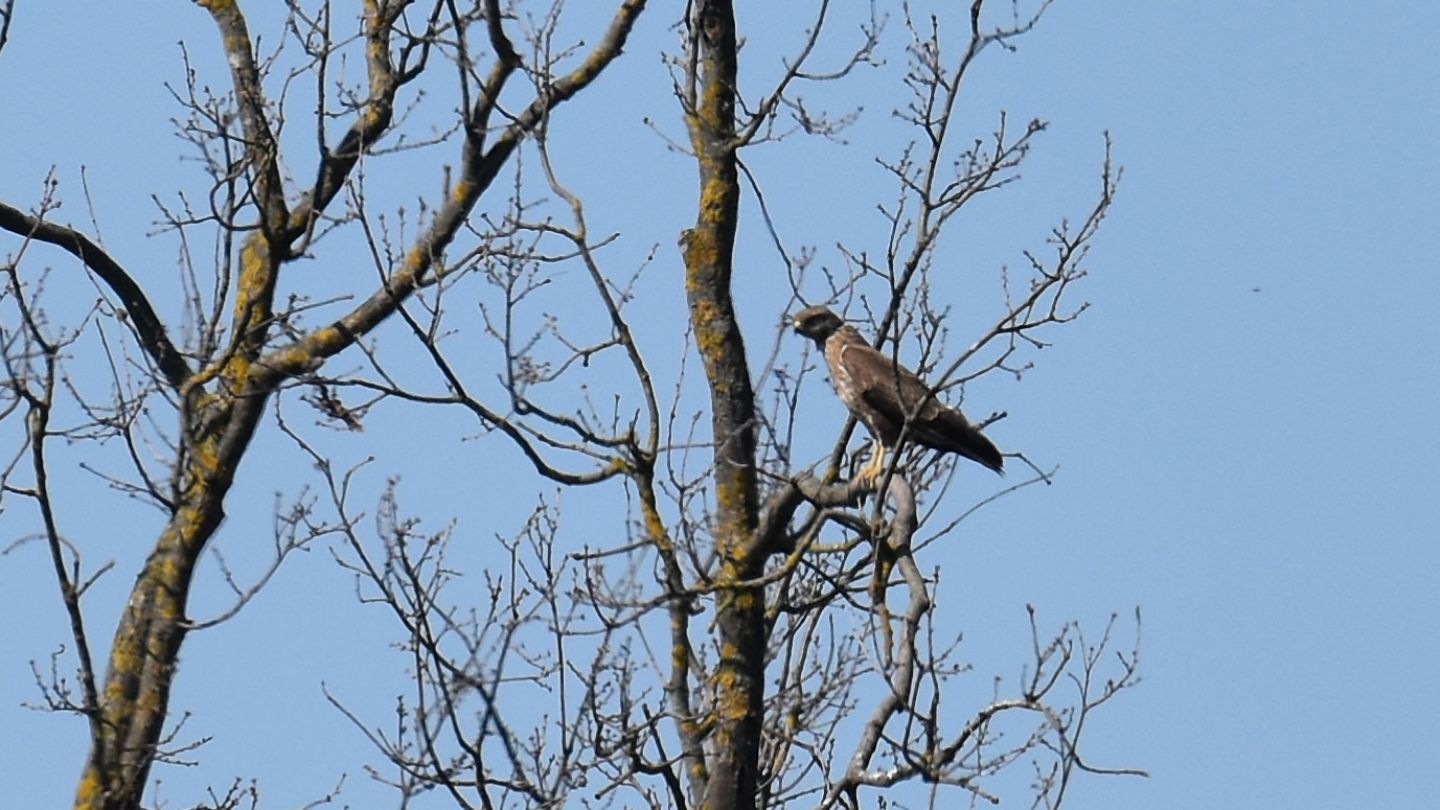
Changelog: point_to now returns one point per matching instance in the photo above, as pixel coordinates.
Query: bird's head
(817, 323)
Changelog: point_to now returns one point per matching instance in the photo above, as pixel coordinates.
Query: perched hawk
(883, 394)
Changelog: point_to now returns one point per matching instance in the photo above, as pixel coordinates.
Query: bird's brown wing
(892, 392)
(882, 392)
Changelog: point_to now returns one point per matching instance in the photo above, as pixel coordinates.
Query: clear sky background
(1245, 420)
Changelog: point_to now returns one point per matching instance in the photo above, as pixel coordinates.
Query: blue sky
(1244, 420)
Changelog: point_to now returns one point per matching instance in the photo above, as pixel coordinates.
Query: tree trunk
(738, 682)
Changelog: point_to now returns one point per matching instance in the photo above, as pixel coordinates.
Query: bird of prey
(883, 395)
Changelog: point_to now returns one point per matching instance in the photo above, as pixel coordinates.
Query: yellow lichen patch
(743, 599)
(591, 67)
(731, 494)
(732, 703)
(715, 199)
(235, 44)
(654, 527)
(256, 277)
(236, 369)
(701, 250)
(711, 343)
(253, 262)
(122, 660)
(204, 461)
(321, 342)
(713, 104)
(87, 793)
(164, 571)
(709, 338)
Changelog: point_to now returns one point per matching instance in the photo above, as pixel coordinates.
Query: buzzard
(883, 395)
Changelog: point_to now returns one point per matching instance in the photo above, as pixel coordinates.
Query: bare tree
(748, 563)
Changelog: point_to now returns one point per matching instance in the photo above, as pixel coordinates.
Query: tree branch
(148, 328)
